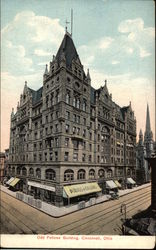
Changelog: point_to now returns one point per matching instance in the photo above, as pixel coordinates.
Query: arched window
(31, 172)
(109, 173)
(101, 173)
(69, 175)
(24, 171)
(81, 175)
(91, 174)
(18, 170)
(38, 173)
(128, 171)
(50, 174)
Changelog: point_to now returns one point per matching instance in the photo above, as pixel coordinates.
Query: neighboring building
(6, 163)
(68, 133)
(2, 159)
(144, 150)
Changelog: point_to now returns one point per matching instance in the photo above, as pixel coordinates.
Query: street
(101, 219)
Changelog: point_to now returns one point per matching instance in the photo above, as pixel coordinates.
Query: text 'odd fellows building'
(69, 141)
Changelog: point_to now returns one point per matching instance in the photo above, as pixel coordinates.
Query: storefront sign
(42, 186)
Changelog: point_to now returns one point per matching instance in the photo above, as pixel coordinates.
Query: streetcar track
(99, 212)
(100, 217)
(130, 200)
(90, 232)
(29, 219)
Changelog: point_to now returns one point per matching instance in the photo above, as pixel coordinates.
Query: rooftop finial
(46, 70)
(105, 82)
(25, 83)
(66, 25)
(71, 22)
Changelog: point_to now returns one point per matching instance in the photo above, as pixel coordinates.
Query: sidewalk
(61, 211)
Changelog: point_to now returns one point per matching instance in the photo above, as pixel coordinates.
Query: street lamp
(123, 211)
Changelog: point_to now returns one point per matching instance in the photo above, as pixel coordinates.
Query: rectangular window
(66, 142)
(84, 121)
(56, 128)
(83, 157)
(84, 145)
(56, 142)
(56, 156)
(90, 158)
(40, 157)
(74, 130)
(46, 119)
(75, 157)
(45, 155)
(90, 135)
(84, 133)
(76, 144)
(66, 154)
(90, 147)
(74, 118)
(57, 114)
(67, 128)
(78, 119)
(67, 115)
(78, 131)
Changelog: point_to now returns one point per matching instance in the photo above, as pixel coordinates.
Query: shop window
(109, 173)
(69, 175)
(50, 174)
(38, 173)
(31, 172)
(24, 171)
(101, 173)
(92, 174)
(75, 157)
(81, 175)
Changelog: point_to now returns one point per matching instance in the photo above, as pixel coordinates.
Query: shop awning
(110, 184)
(10, 180)
(14, 182)
(81, 189)
(117, 183)
(42, 186)
(130, 181)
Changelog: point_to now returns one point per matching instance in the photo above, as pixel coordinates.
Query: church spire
(148, 125)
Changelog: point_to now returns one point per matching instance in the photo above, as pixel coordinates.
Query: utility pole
(124, 212)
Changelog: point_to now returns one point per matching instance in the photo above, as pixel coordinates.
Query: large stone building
(144, 150)
(68, 133)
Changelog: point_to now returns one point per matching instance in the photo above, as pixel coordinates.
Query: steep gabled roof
(36, 95)
(67, 48)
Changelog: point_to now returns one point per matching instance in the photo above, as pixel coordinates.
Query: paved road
(105, 218)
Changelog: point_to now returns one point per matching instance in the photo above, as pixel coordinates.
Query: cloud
(40, 52)
(115, 62)
(25, 34)
(105, 42)
(33, 28)
(144, 53)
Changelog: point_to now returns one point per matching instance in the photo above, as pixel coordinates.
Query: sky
(114, 39)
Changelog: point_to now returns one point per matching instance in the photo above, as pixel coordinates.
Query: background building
(2, 159)
(68, 133)
(145, 150)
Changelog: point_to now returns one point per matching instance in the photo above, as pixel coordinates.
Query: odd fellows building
(145, 149)
(69, 141)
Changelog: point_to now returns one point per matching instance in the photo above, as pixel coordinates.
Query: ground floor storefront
(64, 195)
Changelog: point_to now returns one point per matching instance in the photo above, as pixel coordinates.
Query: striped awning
(117, 183)
(130, 181)
(81, 189)
(10, 180)
(14, 182)
(110, 184)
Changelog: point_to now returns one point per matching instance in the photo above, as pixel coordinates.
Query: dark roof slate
(68, 48)
(36, 95)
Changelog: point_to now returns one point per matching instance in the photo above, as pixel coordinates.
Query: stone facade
(67, 132)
